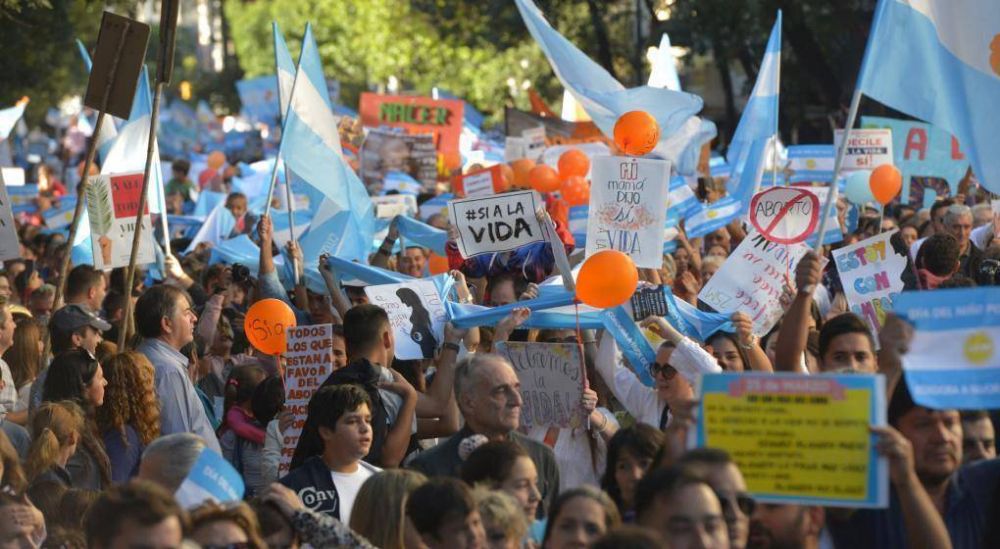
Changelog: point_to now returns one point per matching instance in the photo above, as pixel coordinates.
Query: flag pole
(831, 197)
(281, 142)
(290, 204)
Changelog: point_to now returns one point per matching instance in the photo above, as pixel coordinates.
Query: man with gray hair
(168, 459)
(958, 223)
(489, 396)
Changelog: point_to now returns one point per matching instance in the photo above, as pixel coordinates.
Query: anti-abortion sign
(112, 205)
(552, 381)
(212, 479)
(752, 280)
(798, 439)
(498, 223)
(443, 118)
(478, 183)
(416, 313)
(785, 215)
(628, 206)
(866, 149)
(953, 361)
(386, 151)
(870, 272)
(534, 142)
(308, 362)
(9, 244)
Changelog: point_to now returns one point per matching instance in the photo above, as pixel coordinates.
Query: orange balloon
(216, 159)
(437, 264)
(576, 191)
(607, 279)
(885, 182)
(521, 168)
(636, 133)
(507, 181)
(573, 162)
(544, 179)
(265, 325)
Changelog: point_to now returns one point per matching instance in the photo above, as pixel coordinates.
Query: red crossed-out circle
(796, 196)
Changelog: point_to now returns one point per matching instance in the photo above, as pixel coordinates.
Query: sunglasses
(668, 371)
(738, 500)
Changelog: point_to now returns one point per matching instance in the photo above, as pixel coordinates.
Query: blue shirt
(123, 452)
(180, 408)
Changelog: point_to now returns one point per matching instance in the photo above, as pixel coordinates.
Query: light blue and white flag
(811, 163)
(212, 479)
(953, 360)
(217, 228)
(950, 52)
(422, 234)
(683, 201)
(9, 118)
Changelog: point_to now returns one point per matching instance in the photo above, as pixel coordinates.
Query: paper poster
(478, 183)
(497, 223)
(60, 214)
(552, 381)
(534, 142)
(785, 215)
(628, 207)
(386, 151)
(308, 362)
(798, 439)
(112, 204)
(866, 149)
(649, 302)
(752, 280)
(390, 206)
(12, 177)
(514, 149)
(871, 274)
(10, 247)
(416, 313)
(953, 361)
(212, 479)
(441, 118)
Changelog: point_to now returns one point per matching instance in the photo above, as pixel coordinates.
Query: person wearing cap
(71, 327)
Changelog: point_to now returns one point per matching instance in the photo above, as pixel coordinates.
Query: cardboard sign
(628, 207)
(796, 438)
(514, 149)
(649, 302)
(126, 77)
(416, 313)
(785, 215)
(112, 204)
(308, 362)
(389, 206)
(534, 142)
(871, 274)
(552, 381)
(498, 223)
(418, 115)
(10, 247)
(387, 151)
(479, 183)
(12, 177)
(866, 149)
(752, 280)
(212, 479)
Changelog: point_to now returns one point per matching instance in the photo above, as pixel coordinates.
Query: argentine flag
(951, 49)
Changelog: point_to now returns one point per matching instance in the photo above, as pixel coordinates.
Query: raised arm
(471, 338)
(434, 403)
(381, 258)
(750, 343)
(794, 331)
(337, 296)
(398, 438)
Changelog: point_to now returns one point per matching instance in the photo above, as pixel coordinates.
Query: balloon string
(579, 344)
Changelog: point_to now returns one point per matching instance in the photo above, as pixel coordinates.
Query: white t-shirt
(348, 485)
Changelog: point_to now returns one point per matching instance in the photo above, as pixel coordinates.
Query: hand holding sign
(784, 215)
(265, 325)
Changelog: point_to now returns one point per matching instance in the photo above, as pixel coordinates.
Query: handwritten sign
(866, 149)
(416, 313)
(498, 223)
(785, 215)
(798, 438)
(628, 207)
(308, 362)
(478, 183)
(552, 382)
(10, 247)
(752, 280)
(871, 274)
(112, 205)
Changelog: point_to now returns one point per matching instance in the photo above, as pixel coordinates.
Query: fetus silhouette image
(421, 330)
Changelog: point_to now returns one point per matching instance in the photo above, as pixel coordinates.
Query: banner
(797, 438)
(866, 149)
(871, 274)
(112, 205)
(308, 362)
(628, 208)
(752, 280)
(443, 118)
(952, 362)
(478, 183)
(417, 315)
(212, 479)
(386, 151)
(638, 353)
(498, 223)
(552, 382)
(10, 245)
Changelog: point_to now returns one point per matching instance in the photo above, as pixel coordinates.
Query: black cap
(73, 317)
(901, 402)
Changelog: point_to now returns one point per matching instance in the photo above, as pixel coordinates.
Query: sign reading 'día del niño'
(308, 362)
(785, 215)
(441, 117)
(628, 207)
(752, 280)
(416, 314)
(798, 439)
(871, 274)
(954, 357)
(112, 205)
(552, 382)
(498, 223)
(866, 149)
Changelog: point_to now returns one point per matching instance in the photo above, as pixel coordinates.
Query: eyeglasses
(668, 371)
(738, 500)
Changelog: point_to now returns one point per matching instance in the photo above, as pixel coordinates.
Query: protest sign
(416, 313)
(478, 183)
(552, 382)
(752, 280)
(12, 177)
(10, 247)
(871, 274)
(308, 362)
(798, 438)
(497, 223)
(534, 142)
(514, 149)
(785, 215)
(442, 118)
(866, 149)
(387, 151)
(834, 232)
(112, 204)
(212, 479)
(628, 207)
(647, 302)
(118, 57)
(952, 362)
(389, 206)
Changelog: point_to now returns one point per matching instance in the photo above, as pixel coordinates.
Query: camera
(241, 273)
(988, 273)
